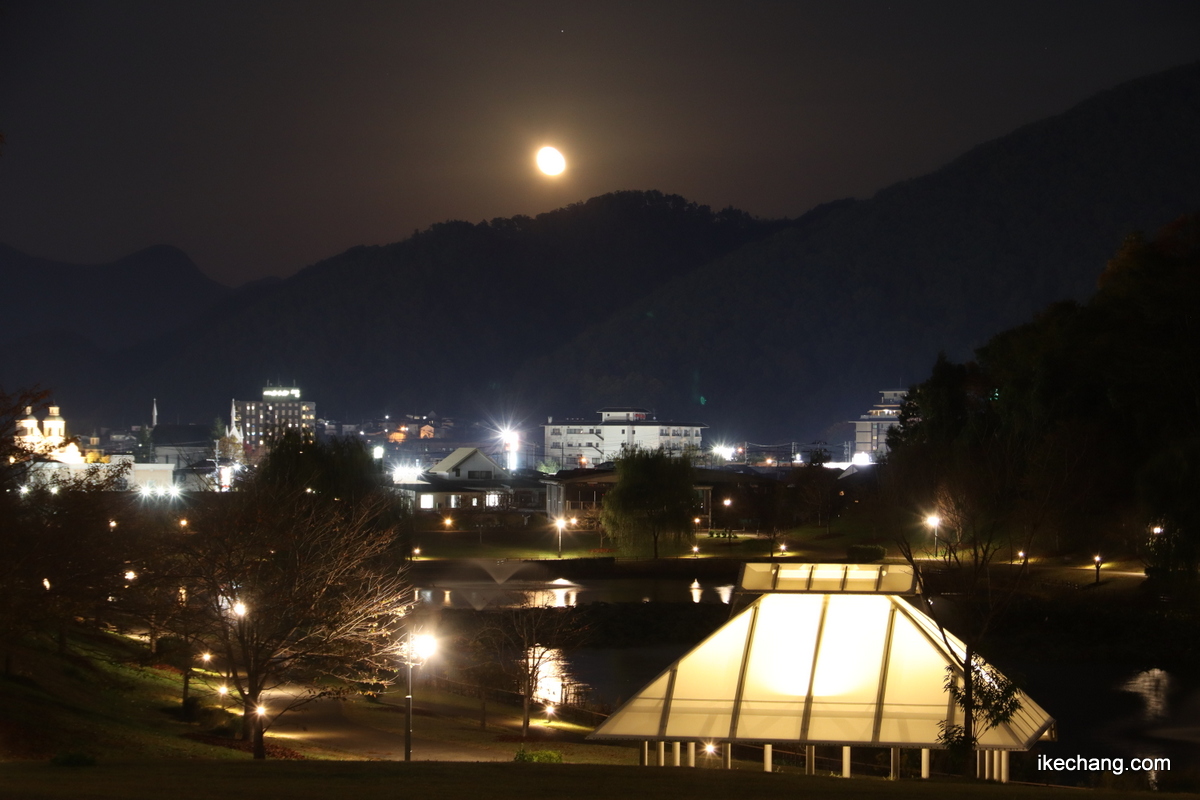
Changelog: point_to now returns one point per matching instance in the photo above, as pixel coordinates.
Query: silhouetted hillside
(138, 297)
(791, 334)
(440, 320)
(765, 330)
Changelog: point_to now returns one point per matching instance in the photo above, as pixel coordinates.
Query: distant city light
(409, 474)
(724, 451)
(377, 452)
(861, 459)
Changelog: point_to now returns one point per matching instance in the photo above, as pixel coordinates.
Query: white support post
(662, 754)
(845, 762)
(766, 758)
(979, 768)
(894, 771)
(691, 754)
(1004, 766)
(925, 763)
(645, 754)
(810, 760)
(727, 755)
(675, 754)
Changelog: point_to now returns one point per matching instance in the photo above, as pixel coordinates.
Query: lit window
(426, 501)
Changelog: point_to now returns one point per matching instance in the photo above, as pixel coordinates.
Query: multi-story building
(584, 443)
(870, 430)
(279, 411)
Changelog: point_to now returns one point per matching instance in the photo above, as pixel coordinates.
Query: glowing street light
(695, 551)
(416, 553)
(239, 608)
(1098, 561)
(421, 646)
(549, 714)
(933, 521)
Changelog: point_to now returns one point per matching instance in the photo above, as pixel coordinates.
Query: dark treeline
(1079, 429)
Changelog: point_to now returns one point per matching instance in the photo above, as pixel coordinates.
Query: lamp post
(1098, 561)
(422, 646)
(560, 523)
(933, 521)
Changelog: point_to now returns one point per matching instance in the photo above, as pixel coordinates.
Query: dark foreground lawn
(183, 780)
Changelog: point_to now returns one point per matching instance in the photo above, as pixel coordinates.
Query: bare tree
(530, 640)
(295, 588)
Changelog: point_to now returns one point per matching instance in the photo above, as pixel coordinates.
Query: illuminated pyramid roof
(829, 654)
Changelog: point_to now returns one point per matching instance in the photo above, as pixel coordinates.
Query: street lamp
(1098, 561)
(422, 646)
(695, 551)
(933, 521)
(560, 523)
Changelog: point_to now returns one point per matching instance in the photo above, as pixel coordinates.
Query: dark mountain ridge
(765, 330)
(798, 331)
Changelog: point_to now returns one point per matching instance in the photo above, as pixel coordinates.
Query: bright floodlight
(408, 474)
(424, 646)
(173, 490)
(724, 451)
(377, 451)
(239, 609)
(261, 710)
(561, 523)
(933, 520)
(222, 690)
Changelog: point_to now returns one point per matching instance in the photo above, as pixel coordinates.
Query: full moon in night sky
(550, 161)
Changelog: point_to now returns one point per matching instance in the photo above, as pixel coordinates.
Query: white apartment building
(585, 443)
(870, 430)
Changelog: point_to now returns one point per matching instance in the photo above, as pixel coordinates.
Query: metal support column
(1004, 766)
(925, 763)
(810, 759)
(845, 762)
(691, 754)
(645, 754)
(727, 755)
(662, 754)
(766, 758)
(675, 754)
(894, 772)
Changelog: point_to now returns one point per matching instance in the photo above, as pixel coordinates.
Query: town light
(239, 609)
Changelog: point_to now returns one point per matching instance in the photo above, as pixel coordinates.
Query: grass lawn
(185, 780)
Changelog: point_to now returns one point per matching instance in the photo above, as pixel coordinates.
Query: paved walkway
(324, 723)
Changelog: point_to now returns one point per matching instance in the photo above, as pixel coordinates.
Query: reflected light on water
(1153, 686)
(696, 591)
(725, 593)
(554, 684)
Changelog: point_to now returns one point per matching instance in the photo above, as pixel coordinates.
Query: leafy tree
(653, 501)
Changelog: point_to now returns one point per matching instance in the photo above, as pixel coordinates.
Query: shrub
(73, 759)
(865, 553)
(538, 756)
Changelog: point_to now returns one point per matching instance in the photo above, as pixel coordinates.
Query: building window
(426, 501)
(492, 500)
(479, 474)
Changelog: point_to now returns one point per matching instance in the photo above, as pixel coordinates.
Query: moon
(550, 161)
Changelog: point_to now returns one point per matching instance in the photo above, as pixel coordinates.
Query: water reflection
(1153, 686)
(554, 683)
(562, 593)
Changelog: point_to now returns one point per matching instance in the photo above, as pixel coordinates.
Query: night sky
(260, 137)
